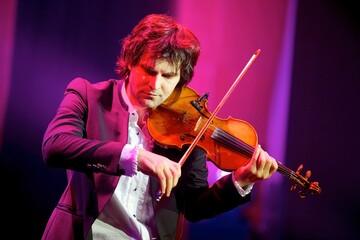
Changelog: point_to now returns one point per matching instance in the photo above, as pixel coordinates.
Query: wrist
(129, 159)
(244, 188)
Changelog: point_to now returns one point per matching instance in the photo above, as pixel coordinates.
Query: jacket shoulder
(82, 83)
(82, 86)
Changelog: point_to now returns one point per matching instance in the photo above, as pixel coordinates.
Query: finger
(256, 153)
(176, 172)
(162, 179)
(169, 182)
(270, 166)
(254, 164)
(274, 166)
(267, 166)
(260, 161)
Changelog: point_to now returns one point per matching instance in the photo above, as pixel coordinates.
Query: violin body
(177, 123)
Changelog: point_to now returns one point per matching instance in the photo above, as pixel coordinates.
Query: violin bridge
(198, 124)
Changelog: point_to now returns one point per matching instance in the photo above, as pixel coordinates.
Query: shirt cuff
(242, 191)
(129, 159)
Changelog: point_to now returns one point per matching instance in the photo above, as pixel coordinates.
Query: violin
(228, 143)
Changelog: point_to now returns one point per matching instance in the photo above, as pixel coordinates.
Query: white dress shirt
(129, 213)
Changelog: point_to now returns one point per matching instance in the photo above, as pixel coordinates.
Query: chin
(150, 104)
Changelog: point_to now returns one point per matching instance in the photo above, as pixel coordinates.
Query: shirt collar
(126, 99)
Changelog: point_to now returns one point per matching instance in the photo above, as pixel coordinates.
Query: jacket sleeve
(66, 143)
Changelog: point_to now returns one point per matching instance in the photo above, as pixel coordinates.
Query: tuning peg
(302, 194)
(293, 187)
(299, 169)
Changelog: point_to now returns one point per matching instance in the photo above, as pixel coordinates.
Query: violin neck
(245, 149)
(286, 171)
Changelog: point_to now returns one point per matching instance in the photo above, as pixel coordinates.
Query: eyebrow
(150, 68)
(145, 66)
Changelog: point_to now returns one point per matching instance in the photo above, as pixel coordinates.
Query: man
(99, 134)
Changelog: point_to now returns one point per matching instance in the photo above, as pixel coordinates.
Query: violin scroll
(302, 181)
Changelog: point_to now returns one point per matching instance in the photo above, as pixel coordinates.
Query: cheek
(169, 89)
(137, 78)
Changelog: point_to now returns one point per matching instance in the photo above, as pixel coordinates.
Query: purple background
(55, 41)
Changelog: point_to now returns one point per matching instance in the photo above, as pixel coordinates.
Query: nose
(155, 82)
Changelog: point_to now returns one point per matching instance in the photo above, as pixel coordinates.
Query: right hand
(167, 172)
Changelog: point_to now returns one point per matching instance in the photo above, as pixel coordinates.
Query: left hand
(260, 167)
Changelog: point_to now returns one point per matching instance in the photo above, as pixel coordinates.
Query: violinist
(115, 170)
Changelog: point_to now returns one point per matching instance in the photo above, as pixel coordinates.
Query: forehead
(151, 60)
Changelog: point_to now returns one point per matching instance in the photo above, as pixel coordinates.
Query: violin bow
(296, 177)
(211, 117)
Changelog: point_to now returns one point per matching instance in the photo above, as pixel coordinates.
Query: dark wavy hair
(163, 37)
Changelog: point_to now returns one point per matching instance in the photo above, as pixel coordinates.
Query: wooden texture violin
(229, 143)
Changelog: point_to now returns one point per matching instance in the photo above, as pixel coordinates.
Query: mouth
(151, 95)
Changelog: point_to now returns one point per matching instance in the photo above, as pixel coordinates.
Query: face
(151, 83)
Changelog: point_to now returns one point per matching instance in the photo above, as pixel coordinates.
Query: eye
(150, 71)
(169, 75)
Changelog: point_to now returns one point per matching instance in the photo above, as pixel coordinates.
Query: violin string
(286, 171)
(228, 139)
(242, 147)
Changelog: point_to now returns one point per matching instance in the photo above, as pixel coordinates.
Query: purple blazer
(86, 138)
